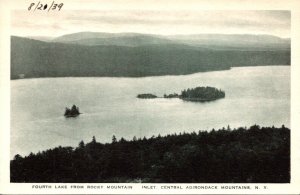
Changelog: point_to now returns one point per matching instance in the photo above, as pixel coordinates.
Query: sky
(164, 22)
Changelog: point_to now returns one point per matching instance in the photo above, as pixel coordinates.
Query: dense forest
(33, 59)
(146, 96)
(243, 155)
(202, 94)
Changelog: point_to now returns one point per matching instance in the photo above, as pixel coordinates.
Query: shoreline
(154, 76)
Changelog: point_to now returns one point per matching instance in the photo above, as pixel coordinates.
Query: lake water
(254, 95)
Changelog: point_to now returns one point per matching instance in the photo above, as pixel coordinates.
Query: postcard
(150, 97)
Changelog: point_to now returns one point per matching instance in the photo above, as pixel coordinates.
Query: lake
(254, 95)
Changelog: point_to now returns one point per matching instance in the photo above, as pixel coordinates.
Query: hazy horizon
(150, 34)
(152, 22)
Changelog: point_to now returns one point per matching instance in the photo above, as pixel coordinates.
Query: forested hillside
(254, 155)
(32, 58)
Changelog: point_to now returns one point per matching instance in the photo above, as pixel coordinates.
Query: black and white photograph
(151, 95)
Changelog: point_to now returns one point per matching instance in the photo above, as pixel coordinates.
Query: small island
(73, 112)
(146, 96)
(202, 94)
(198, 94)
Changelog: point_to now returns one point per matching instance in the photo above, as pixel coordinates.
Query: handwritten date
(40, 6)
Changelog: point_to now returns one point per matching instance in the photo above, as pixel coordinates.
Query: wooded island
(146, 96)
(198, 94)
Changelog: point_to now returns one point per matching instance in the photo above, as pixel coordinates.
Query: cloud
(157, 22)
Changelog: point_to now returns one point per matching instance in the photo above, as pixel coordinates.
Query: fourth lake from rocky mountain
(254, 95)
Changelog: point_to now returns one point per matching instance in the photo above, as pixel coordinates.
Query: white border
(293, 5)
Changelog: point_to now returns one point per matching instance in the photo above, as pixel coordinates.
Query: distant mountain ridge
(136, 39)
(212, 41)
(136, 55)
(129, 41)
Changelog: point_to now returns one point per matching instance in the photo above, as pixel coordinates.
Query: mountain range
(135, 55)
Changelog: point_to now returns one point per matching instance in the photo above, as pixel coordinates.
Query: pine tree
(81, 144)
(114, 139)
(94, 140)
(134, 139)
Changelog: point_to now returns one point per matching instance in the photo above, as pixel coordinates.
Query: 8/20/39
(40, 6)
